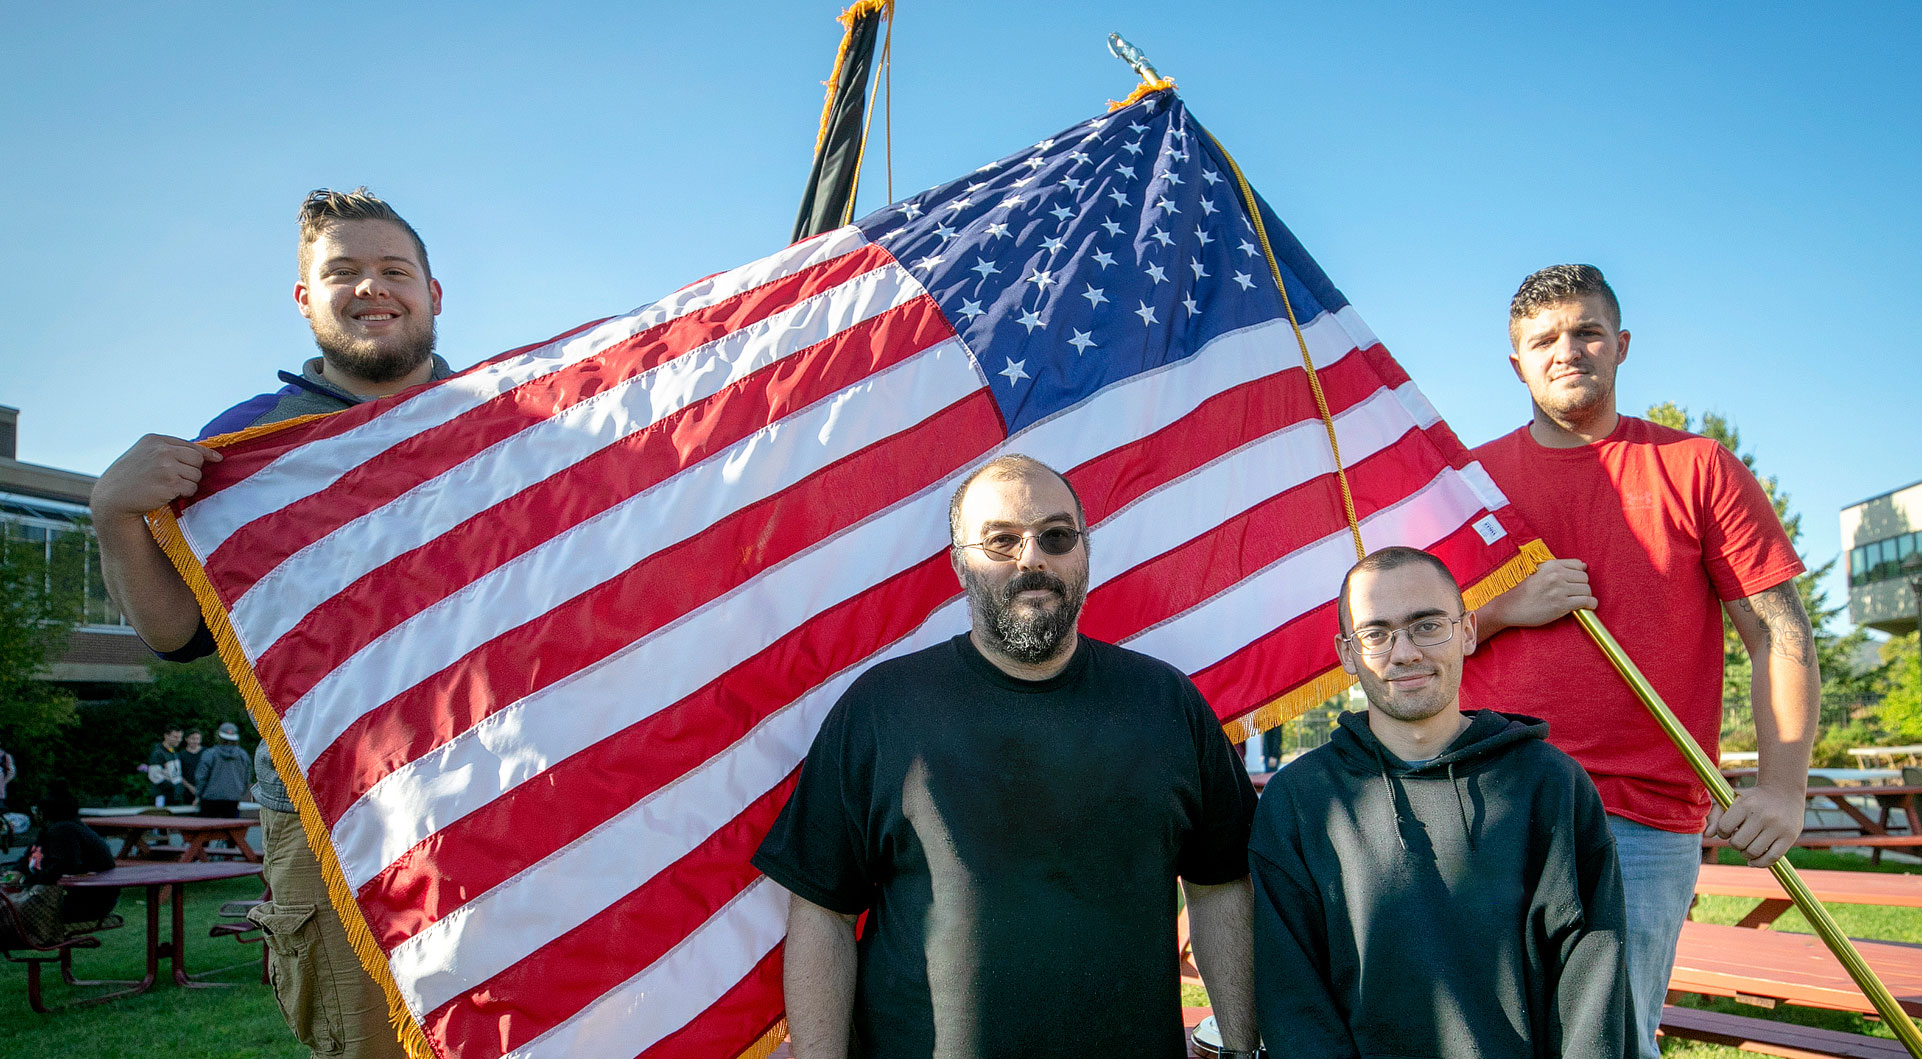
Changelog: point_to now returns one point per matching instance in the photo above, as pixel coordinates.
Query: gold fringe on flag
(1318, 690)
(166, 530)
(769, 1041)
(1142, 91)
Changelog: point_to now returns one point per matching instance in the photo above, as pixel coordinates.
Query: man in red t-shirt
(1672, 530)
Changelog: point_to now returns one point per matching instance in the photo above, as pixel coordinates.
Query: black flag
(837, 155)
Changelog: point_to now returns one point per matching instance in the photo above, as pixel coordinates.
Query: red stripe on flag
(391, 593)
(1268, 531)
(667, 585)
(576, 795)
(554, 982)
(1220, 424)
(241, 461)
(267, 541)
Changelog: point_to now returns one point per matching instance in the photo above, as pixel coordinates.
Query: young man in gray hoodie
(1433, 882)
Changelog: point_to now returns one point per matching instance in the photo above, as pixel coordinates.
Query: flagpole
(1785, 874)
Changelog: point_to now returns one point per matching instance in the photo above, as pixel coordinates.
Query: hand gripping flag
(540, 648)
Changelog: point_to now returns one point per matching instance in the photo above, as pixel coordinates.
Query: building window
(1881, 560)
(62, 535)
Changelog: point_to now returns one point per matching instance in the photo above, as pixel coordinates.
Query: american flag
(541, 647)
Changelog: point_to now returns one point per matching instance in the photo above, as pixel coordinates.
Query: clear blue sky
(1745, 175)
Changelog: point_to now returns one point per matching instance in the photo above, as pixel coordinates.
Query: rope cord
(887, 71)
(1307, 361)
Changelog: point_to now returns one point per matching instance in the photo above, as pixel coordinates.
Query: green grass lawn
(241, 1022)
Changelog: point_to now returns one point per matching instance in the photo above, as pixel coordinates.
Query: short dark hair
(1392, 558)
(324, 207)
(1006, 468)
(1560, 283)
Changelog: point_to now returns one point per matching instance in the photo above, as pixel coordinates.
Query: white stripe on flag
(1478, 479)
(881, 405)
(1416, 402)
(1358, 331)
(315, 466)
(308, 578)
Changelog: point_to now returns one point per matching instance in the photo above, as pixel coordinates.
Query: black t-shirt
(1015, 845)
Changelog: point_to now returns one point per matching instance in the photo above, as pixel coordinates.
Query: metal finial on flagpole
(1131, 55)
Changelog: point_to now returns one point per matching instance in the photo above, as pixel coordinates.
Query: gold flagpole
(1718, 788)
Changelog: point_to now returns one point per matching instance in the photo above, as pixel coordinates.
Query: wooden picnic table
(1757, 965)
(1829, 887)
(162, 880)
(197, 830)
(1770, 967)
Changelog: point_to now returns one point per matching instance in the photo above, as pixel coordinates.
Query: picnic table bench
(1754, 964)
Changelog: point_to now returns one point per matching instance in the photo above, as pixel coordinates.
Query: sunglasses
(1005, 546)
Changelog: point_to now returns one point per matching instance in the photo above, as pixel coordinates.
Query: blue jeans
(1658, 884)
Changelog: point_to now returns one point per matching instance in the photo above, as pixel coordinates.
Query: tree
(41, 586)
(1901, 710)
(1843, 685)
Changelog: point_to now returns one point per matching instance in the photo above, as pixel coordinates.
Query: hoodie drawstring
(1394, 807)
(1461, 806)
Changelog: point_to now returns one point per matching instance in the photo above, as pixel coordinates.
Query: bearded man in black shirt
(1011, 810)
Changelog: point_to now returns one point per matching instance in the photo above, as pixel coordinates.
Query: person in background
(65, 847)
(190, 752)
(7, 772)
(224, 774)
(163, 767)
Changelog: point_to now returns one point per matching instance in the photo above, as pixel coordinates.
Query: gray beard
(375, 364)
(1027, 635)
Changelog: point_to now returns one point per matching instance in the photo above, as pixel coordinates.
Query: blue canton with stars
(1113, 248)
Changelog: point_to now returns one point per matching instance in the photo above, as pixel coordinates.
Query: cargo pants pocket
(293, 944)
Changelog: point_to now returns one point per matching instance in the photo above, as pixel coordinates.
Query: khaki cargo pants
(329, 1002)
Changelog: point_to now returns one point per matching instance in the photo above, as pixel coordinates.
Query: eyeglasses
(1426, 632)
(1005, 546)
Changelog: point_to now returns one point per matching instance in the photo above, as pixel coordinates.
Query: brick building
(42, 506)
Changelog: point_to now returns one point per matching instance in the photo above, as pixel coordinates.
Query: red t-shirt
(1670, 524)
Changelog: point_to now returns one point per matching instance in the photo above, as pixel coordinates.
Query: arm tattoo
(1785, 625)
